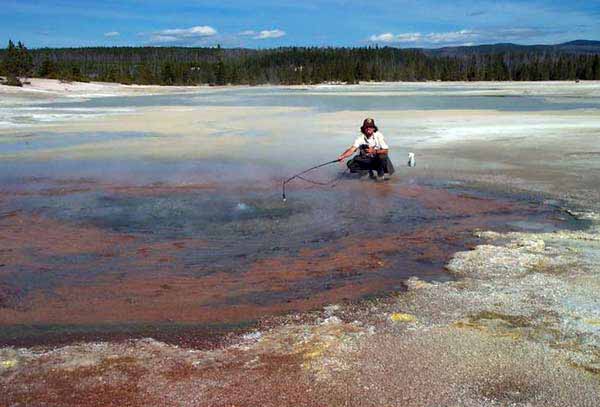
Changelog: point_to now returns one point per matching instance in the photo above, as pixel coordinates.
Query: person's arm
(384, 148)
(347, 153)
(382, 151)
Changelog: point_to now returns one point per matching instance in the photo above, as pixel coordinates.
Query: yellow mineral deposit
(8, 364)
(401, 317)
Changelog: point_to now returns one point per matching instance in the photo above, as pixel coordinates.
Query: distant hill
(572, 47)
(580, 46)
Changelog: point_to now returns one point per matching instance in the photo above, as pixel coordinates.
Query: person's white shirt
(375, 141)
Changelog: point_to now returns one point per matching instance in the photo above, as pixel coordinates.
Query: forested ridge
(300, 65)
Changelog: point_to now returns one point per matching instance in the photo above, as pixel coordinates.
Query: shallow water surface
(103, 236)
(341, 99)
(319, 99)
(80, 255)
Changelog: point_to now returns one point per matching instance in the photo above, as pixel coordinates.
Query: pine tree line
(292, 65)
(16, 63)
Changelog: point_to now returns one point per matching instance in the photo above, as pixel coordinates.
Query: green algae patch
(497, 324)
(556, 268)
(116, 361)
(493, 330)
(593, 369)
(517, 321)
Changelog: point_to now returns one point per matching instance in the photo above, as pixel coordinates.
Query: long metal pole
(304, 172)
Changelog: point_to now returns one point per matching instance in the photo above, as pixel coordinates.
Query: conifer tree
(11, 64)
(596, 67)
(220, 72)
(167, 76)
(144, 75)
(47, 69)
(25, 61)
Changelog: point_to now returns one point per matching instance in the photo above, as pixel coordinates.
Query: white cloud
(387, 37)
(463, 36)
(267, 34)
(435, 38)
(112, 34)
(264, 34)
(183, 34)
(197, 31)
(409, 37)
(164, 38)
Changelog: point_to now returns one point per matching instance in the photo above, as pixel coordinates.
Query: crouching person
(372, 153)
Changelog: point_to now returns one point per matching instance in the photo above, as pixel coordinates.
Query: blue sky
(269, 23)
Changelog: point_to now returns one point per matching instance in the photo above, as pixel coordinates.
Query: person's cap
(368, 122)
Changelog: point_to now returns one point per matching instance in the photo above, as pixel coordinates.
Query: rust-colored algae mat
(90, 260)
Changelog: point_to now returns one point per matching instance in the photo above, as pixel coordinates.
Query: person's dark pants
(379, 162)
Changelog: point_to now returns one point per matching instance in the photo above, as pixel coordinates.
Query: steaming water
(205, 214)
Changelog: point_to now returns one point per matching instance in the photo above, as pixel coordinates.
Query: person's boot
(371, 174)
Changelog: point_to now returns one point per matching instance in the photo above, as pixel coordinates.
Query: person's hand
(341, 158)
(371, 150)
